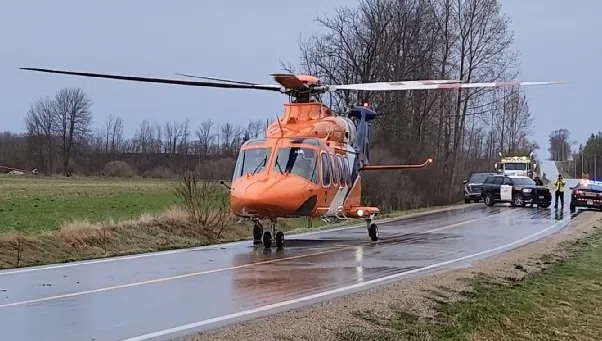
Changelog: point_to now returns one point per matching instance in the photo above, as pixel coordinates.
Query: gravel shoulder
(324, 321)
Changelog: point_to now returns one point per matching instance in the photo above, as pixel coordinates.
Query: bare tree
(205, 135)
(39, 123)
(72, 118)
(560, 146)
(184, 131)
(117, 135)
(227, 137)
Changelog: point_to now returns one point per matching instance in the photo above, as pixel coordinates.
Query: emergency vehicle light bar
(593, 182)
(516, 159)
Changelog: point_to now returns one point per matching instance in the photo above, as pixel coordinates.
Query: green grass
(55, 219)
(561, 303)
(33, 204)
(36, 204)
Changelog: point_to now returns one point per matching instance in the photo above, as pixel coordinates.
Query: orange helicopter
(310, 162)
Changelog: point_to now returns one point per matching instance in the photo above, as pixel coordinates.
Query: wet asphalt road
(172, 294)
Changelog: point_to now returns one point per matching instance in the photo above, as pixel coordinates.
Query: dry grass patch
(80, 239)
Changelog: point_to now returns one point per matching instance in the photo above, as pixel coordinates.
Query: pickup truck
(472, 187)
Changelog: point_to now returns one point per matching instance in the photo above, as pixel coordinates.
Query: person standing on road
(559, 186)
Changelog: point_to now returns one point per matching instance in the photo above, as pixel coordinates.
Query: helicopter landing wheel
(279, 239)
(373, 232)
(257, 233)
(267, 239)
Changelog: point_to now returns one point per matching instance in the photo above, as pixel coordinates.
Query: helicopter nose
(279, 196)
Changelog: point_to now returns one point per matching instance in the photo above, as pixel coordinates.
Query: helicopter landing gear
(279, 239)
(372, 230)
(257, 232)
(267, 239)
(267, 236)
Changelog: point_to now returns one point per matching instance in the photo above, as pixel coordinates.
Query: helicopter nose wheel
(267, 236)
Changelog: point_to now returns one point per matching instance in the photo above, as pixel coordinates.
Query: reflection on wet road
(175, 293)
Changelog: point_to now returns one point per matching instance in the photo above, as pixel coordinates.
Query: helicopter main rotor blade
(384, 86)
(216, 79)
(161, 80)
(392, 86)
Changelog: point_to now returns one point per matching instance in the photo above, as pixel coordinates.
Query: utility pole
(595, 174)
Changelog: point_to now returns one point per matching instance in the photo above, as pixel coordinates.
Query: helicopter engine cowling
(350, 129)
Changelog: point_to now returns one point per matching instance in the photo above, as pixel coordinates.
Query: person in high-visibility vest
(559, 190)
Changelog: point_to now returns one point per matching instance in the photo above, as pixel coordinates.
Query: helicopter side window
(325, 171)
(342, 171)
(348, 171)
(251, 161)
(298, 161)
(345, 163)
(335, 171)
(356, 168)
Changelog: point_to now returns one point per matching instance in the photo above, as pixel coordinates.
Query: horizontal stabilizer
(396, 167)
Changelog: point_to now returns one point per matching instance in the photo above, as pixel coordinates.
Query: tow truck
(516, 165)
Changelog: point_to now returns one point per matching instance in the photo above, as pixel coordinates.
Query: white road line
(215, 246)
(206, 272)
(329, 292)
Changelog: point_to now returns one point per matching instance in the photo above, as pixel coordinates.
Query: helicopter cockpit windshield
(251, 161)
(297, 161)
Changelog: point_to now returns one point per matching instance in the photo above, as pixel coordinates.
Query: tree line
(59, 139)
(375, 40)
(583, 161)
(464, 130)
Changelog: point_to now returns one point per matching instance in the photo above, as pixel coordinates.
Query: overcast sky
(246, 40)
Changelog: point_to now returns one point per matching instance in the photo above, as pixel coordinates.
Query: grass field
(561, 303)
(55, 219)
(37, 204)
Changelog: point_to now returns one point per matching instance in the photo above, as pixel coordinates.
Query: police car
(587, 194)
(516, 190)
